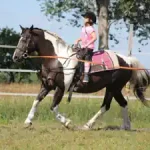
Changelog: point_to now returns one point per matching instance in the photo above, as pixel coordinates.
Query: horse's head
(27, 43)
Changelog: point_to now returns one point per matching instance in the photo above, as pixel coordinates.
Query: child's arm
(94, 38)
(77, 41)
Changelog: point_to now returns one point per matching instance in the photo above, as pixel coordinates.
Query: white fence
(14, 70)
(33, 71)
(17, 70)
(140, 53)
(7, 46)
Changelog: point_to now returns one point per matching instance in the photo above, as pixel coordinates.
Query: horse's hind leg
(105, 107)
(43, 92)
(59, 92)
(123, 103)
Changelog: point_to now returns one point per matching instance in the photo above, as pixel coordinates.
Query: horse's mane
(56, 36)
(53, 34)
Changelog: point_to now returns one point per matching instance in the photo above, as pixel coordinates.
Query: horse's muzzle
(21, 58)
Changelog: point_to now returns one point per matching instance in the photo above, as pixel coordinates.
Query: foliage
(58, 9)
(131, 11)
(136, 12)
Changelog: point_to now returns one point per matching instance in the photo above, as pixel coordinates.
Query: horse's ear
(31, 28)
(22, 28)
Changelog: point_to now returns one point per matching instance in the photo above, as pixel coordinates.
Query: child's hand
(77, 41)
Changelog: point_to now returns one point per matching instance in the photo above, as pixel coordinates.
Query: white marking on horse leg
(92, 121)
(61, 118)
(32, 112)
(126, 119)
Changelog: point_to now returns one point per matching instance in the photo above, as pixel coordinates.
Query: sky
(27, 12)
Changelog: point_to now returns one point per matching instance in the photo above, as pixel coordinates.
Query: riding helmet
(90, 15)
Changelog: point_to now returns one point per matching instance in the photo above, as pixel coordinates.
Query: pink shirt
(86, 37)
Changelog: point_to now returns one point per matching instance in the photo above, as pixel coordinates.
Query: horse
(58, 74)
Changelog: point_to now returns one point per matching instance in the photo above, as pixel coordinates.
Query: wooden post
(130, 44)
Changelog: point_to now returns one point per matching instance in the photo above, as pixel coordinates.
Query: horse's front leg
(59, 92)
(43, 92)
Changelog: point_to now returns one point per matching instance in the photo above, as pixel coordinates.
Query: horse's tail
(140, 80)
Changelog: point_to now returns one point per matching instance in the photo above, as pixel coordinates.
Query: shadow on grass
(117, 128)
(111, 128)
(77, 128)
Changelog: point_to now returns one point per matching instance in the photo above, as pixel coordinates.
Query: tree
(136, 12)
(108, 11)
(10, 37)
(7, 37)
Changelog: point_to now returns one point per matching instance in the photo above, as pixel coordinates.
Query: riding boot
(86, 78)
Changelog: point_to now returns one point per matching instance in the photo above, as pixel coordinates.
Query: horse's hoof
(27, 125)
(84, 128)
(67, 123)
(128, 128)
(75, 89)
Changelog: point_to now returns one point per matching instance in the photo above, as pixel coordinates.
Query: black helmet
(90, 15)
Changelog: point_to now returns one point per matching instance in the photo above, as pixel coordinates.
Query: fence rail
(7, 46)
(12, 47)
(17, 70)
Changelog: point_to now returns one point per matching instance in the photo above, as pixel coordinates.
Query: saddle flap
(105, 60)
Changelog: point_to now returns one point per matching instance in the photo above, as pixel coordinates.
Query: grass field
(48, 134)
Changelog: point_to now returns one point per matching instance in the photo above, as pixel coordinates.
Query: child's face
(86, 20)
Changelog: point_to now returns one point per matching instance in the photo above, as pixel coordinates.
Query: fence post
(130, 44)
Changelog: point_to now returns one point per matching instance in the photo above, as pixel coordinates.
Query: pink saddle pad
(103, 58)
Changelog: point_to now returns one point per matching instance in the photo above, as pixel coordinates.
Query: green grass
(48, 134)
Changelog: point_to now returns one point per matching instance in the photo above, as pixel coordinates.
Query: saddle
(102, 60)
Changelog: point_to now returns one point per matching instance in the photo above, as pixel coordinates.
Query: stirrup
(86, 78)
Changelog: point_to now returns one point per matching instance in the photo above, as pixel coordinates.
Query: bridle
(27, 42)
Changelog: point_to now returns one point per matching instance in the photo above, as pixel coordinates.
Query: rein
(90, 62)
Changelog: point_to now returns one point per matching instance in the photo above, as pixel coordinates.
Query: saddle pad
(107, 60)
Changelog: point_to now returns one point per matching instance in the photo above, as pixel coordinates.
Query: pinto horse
(58, 74)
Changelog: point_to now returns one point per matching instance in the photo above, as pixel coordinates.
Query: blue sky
(28, 12)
